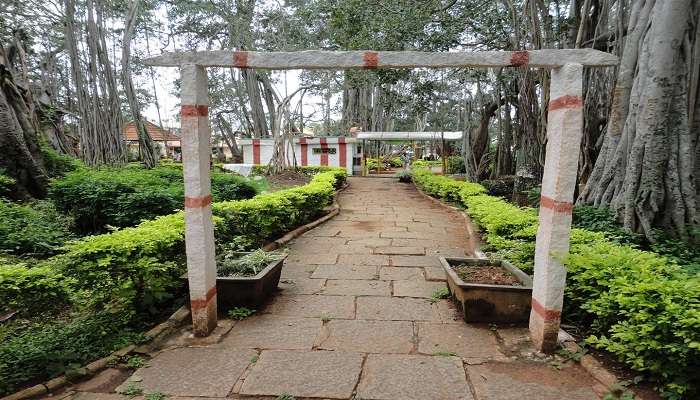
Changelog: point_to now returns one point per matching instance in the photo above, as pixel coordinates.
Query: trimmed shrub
(124, 197)
(639, 305)
(35, 229)
(31, 290)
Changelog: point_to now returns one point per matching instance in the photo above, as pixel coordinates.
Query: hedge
(34, 228)
(123, 197)
(639, 305)
(125, 277)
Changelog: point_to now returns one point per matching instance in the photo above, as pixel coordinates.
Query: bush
(31, 290)
(639, 305)
(455, 165)
(501, 187)
(35, 229)
(51, 349)
(7, 184)
(98, 198)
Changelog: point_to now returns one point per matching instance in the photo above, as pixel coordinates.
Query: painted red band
(519, 58)
(324, 154)
(566, 101)
(198, 304)
(342, 148)
(194, 110)
(197, 202)
(371, 59)
(240, 59)
(304, 152)
(547, 315)
(256, 151)
(556, 206)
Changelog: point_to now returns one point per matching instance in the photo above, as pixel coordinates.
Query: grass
(439, 294)
(240, 313)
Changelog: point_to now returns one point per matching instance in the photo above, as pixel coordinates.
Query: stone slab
(370, 242)
(395, 309)
(398, 250)
(356, 287)
(274, 332)
(318, 374)
(104, 382)
(530, 380)
(413, 377)
(289, 286)
(367, 336)
(363, 259)
(417, 288)
(415, 261)
(193, 371)
(304, 258)
(345, 272)
(400, 273)
(313, 306)
(461, 339)
(435, 274)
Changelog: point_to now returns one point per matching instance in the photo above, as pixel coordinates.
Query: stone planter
(490, 303)
(247, 291)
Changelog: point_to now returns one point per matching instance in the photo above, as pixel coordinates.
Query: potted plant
(489, 290)
(404, 176)
(246, 278)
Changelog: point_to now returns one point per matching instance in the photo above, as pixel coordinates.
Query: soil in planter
(486, 275)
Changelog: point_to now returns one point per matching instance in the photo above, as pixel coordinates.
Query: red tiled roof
(154, 131)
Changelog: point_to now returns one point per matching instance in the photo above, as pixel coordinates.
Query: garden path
(354, 319)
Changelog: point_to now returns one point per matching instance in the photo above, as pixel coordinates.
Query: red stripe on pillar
(304, 152)
(197, 202)
(324, 154)
(371, 59)
(196, 304)
(519, 58)
(240, 59)
(547, 315)
(567, 101)
(342, 148)
(189, 110)
(556, 206)
(256, 151)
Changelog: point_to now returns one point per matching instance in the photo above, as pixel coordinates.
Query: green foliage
(426, 163)
(272, 214)
(132, 389)
(51, 349)
(639, 305)
(439, 294)
(133, 269)
(233, 263)
(135, 362)
(285, 396)
(32, 290)
(239, 313)
(501, 187)
(58, 164)
(404, 176)
(444, 187)
(35, 228)
(155, 396)
(7, 184)
(599, 219)
(455, 165)
(123, 197)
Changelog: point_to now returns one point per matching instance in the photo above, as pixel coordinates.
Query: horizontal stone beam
(319, 59)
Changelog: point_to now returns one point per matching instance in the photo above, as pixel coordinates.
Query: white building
(337, 151)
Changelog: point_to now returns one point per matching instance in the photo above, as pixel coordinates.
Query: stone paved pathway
(354, 320)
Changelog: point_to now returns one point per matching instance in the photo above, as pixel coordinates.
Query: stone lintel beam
(360, 59)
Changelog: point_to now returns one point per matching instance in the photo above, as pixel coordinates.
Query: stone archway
(564, 130)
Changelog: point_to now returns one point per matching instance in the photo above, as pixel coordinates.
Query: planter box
(247, 291)
(490, 303)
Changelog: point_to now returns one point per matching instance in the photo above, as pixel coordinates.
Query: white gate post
(564, 131)
(199, 228)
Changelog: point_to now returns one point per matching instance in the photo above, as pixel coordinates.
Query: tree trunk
(645, 170)
(147, 149)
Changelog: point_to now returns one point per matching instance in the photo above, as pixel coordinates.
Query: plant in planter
(404, 176)
(489, 290)
(246, 279)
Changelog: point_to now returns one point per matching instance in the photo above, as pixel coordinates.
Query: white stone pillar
(199, 229)
(564, 130)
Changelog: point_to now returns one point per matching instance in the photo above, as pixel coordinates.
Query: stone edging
(589, 363)
(174, 321)
(159, 331)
